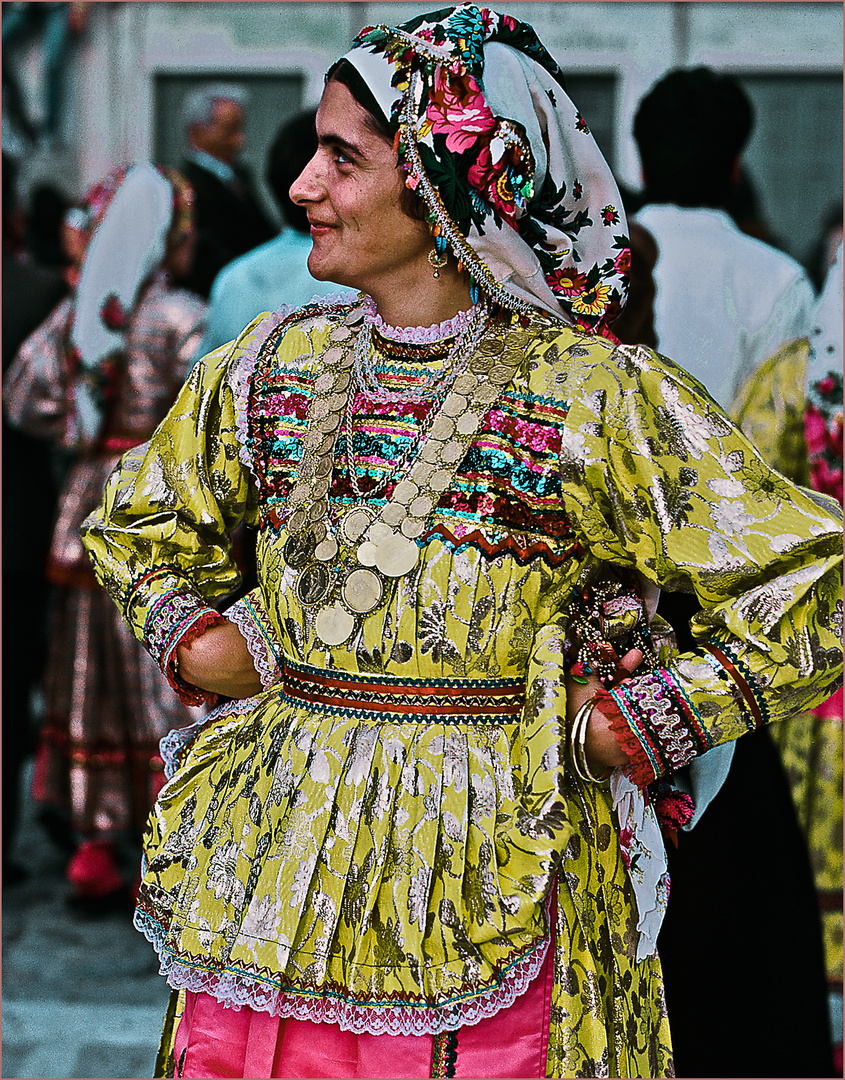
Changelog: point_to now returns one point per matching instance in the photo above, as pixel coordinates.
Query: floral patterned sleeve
(655, 476)
(159, 542)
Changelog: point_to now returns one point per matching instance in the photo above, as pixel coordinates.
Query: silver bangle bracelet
(577, 741)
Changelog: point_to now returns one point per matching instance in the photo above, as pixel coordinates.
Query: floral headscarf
(511, 177)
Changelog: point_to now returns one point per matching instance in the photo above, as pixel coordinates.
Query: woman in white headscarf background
(96, 378)
(416, 842)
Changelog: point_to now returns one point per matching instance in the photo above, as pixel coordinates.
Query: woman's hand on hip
(220, 662)
(602, 749)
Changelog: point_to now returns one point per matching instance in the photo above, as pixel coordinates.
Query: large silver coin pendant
(355, 523)
(362, 591)
(312, 584)
(334, 625)
(396, 556)
(298, 550)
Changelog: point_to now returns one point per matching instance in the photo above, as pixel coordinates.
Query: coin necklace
(379, 544)
(455, 363)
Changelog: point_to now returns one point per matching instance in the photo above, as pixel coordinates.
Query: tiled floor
(81, 996)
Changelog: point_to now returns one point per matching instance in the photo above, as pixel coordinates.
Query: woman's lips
(318, 227)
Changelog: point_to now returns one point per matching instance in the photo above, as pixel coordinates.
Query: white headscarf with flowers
(512, 179)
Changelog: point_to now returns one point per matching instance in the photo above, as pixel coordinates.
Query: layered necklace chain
(432, 391)
(343, 568)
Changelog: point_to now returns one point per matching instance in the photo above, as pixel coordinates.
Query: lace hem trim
(235, 990)
(248, 620)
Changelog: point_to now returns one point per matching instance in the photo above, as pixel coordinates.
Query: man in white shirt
(725, 301)
(277, 272)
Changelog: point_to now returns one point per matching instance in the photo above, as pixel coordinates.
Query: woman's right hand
(220, 662)
(601, 745)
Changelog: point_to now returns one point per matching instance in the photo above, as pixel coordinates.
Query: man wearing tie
(229, 218)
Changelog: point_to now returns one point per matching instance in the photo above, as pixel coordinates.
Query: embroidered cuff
(757, 714)
(250, 616)
(654, 723)
(178, 617)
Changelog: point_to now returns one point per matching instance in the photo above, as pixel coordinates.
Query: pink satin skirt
(213, 1041)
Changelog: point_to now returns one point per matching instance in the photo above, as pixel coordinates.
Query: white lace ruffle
(235, 991)
(645, 858)
(260, 649)
(420, 335)
(176, 740)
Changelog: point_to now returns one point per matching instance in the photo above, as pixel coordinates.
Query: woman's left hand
(602, 749)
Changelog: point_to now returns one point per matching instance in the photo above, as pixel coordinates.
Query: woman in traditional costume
(96, 378)
(395, 852)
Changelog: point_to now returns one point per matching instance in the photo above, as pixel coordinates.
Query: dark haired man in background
(229, 219)
(725, 301)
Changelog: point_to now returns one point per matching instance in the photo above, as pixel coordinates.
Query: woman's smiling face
(352, 191)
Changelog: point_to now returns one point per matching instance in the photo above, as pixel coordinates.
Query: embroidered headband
(512, 180)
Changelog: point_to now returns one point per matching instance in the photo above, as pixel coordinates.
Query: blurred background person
(30, 293)
(276, 272)
(725, 300)
(56, 24)
(48, 205)
(718, 287)
(229, 218)
(96, 377)
(826, 246)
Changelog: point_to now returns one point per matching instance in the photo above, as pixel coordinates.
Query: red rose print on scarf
(457, 109)
(491, 177)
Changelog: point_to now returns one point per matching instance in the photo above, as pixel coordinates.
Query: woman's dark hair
(349, 76)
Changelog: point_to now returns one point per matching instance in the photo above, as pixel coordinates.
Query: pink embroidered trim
(188, 694)
(240, 379)
(641, 770)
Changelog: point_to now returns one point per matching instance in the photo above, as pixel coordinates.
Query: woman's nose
(306, 187)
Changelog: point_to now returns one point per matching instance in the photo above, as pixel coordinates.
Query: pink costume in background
(106, 703)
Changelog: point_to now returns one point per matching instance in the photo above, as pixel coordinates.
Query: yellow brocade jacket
(390, 834)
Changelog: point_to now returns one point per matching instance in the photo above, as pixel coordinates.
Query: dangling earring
(439, 256)
(437, 261)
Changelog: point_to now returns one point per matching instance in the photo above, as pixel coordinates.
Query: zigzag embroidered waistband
(382, 697)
